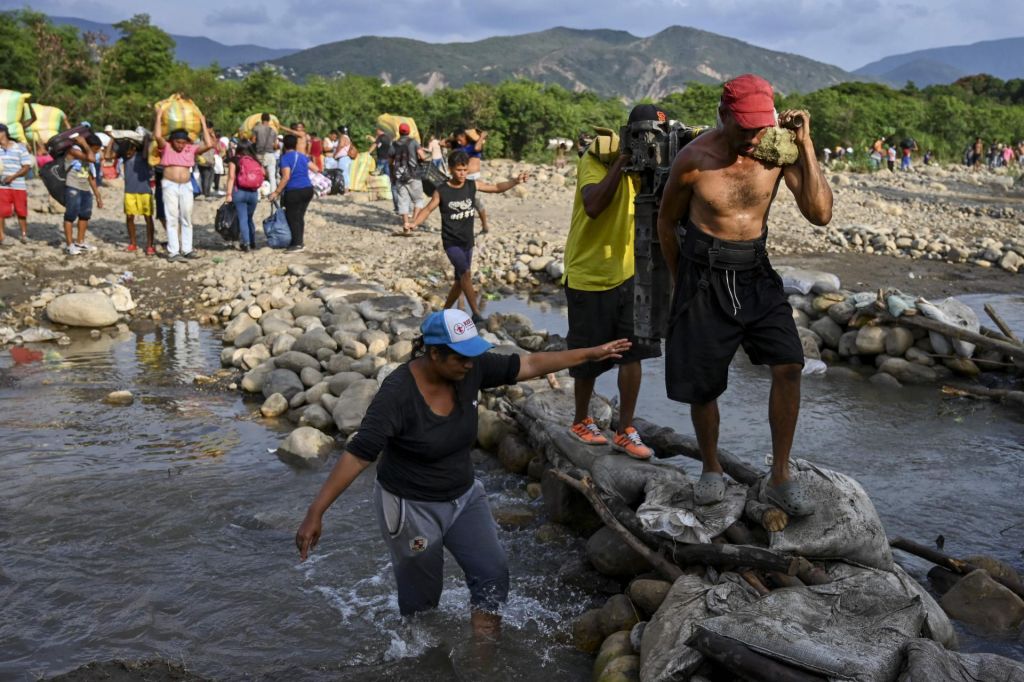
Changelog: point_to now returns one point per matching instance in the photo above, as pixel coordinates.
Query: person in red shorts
(15, 163)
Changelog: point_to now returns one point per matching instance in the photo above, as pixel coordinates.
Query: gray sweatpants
(417, 533)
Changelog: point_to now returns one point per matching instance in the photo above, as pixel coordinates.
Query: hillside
(610, 63)
(195, 51)
(1000, 58)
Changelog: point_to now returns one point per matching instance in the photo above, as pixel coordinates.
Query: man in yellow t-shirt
(599, 286)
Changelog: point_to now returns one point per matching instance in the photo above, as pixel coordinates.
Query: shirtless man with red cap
(726, 292)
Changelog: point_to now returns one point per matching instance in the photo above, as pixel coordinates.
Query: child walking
(138, 193)
(456, 199)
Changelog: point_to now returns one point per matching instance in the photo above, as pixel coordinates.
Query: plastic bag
(226, 221)
(275, 227)
(321, 184)
(54, 176)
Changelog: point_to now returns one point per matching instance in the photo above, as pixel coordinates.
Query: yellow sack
(605, 146)
(179, 112)
(12, 112)
(254, 120)
(49, 122)
(359, 172)
(389, 123)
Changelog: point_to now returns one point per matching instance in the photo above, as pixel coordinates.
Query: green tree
(143, 56)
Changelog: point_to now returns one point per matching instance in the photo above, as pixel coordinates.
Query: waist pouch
(700, 247)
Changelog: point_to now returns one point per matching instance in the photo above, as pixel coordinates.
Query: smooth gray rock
(274, 325)
(908, 372)
(841, 313)
(352, 405)
(611, 556)
(282, 344)
(368, 365)
(305, 447)
(339, 362)
(847, 344)
(897, 341)
(92, 309)
(237, 326)
(317, 417)
(315, 392)
(870, 340)
(308, 307)
(829, 331)
(376, 341)
(310, 377)
(384, 308)
(247, 336)
(253, 380)
(313, 340)
(329, 402)
(885, 380)
(283, 381)
(342, 380)
(400, 351)
(274, 406)
(296, 361)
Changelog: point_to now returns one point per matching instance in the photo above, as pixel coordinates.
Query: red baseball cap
(751, 101)
(403, 128)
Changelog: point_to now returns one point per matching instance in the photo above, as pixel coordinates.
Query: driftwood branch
(1003, 327)
(941, 559)
(1000, 394)
(586, 486)
(980, 340)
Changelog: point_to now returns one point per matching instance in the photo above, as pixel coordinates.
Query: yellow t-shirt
(599, 251)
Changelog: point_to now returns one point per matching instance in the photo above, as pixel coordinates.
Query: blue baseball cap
(455, 329)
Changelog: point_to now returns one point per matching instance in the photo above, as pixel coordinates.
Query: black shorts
(747, 308)
(597, 317)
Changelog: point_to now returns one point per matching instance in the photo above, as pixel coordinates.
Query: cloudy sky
(847, 33)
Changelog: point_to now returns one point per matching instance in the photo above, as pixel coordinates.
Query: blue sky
(847, 33)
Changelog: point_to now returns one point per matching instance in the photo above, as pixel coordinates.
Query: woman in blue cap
(424, 421)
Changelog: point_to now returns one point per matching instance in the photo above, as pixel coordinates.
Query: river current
(165, 529)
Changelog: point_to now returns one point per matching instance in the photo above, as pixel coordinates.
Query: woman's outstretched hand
(308, 534)
(612, 350)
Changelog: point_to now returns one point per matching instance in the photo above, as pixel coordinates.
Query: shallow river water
(165, 529)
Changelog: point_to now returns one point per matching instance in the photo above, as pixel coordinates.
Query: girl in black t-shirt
(422, 425)
(458, 211)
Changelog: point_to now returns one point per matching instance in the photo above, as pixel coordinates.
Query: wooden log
(586, 486)
(667, 442)
(771, 518)
(1006, 347)
(734, 555)
(1003, 327)
(956, 565)
(810, 574)
(738, 659)
(999, 394)
(754, 581)
(781, 580)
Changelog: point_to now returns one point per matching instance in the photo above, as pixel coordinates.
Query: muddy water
(932, 466)
(165, 529)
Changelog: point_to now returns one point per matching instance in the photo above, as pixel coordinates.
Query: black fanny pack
(700, 247)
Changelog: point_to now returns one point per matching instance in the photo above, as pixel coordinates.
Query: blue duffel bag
(275, 227)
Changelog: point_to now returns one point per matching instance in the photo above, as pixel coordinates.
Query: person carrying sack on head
(726, 292)
(598, 282)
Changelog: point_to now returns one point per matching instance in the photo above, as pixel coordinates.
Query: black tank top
(457, 214)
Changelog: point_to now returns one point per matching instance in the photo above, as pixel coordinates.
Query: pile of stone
(873, 331)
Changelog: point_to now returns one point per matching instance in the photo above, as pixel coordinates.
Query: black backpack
(404, 168)
(55, 177)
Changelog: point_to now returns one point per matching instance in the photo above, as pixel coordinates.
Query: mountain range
(1000, 58)
(607, 62)
(195, 51)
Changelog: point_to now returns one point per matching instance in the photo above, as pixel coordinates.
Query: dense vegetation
(118, 84)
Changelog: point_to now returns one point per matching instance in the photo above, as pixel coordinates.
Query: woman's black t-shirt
(426, 456)
(457, 214)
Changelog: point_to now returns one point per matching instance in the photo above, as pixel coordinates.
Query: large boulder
(253, 380)
(352, 405)
(313, 340)
(92, 309)
(283, 381)
(515, 454)
(305, 447)
(342, 380)
(908, 372)
(237, 326)
(610, 555)
(829, 331)
(317, 417)
(979, 600)
(296, 361)
(384, 308)
(648, 594)
(870, 340)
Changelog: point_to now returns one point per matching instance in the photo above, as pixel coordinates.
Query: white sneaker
(85, 247)
(72, 250)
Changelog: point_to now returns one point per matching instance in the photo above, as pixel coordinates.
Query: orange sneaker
(630, 443)
(587, 432)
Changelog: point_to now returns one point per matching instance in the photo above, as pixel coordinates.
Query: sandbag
(12, 112)
(254, 120)
(54, 177)
(952, 312)
(275, 227)
(321, 183)
(844, 527)
(853, 628)
(49, 121)
(389, 123)
(926, 661)
(359, 172)
(800, 281)
(136, 136)
(225, 222)
(668, 508)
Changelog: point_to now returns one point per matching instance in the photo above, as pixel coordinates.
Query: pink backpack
(250, 173)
